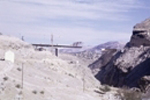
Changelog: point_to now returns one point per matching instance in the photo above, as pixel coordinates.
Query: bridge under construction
(56, 46)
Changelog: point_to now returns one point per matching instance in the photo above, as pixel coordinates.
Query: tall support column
(56, 52)
(52, 43)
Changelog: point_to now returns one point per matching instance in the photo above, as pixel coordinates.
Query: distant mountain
(95, 52)
(109, 45)
(75, 49)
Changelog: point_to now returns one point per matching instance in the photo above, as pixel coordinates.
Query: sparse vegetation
(129, 95)
(19, 69)
(71, 75)
(2, 89)
(37, 77)
(2, 83)
(106, 88)
(42, 92)
(18, 86)
(146, 96)
(71, 62)
(5, 78)
(34, 91)
(20, 93)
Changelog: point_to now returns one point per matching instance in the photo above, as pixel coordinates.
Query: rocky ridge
(130, 67)
(94, 53)
(102, 61)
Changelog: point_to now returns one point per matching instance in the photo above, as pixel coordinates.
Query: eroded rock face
(141, 34)
(140, 37)
(143, 25)
(129, 66)
(102, 61)
(126, 68)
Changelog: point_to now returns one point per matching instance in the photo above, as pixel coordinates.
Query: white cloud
(98, 9)
(29, 17)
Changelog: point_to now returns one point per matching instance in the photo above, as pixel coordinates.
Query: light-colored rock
(45, 76)
(10, 56)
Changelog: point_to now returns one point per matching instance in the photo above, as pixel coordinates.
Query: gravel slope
(46, 77)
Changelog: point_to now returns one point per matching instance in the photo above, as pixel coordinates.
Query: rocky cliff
(102, 61)
(141, 34)
(131, 66)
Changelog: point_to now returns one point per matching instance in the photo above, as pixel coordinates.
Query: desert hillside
(45, 76)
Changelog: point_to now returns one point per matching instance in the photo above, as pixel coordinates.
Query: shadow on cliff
(141, 70)
(111, 75)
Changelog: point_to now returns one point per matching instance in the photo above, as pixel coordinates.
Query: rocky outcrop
(102, 61)
(129, 66)
(143, 25)
(141, 34)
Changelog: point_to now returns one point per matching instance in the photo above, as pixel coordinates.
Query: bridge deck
(57, 46)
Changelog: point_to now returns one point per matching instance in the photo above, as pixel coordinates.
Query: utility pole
(52, 49)
(22, 75)
(22, 79)
(83, 80)
(56, 52)
(52, 43)
(22, 38)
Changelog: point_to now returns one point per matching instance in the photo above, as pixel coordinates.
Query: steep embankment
(131, 66)
(102, 61)
(45, 77)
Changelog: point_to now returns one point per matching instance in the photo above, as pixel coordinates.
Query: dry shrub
(105, 88)
(129, 95)
(34, 91)
(42, 92)
(5, 78)
(18, 86)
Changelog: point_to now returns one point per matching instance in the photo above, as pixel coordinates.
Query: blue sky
(90, 21)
